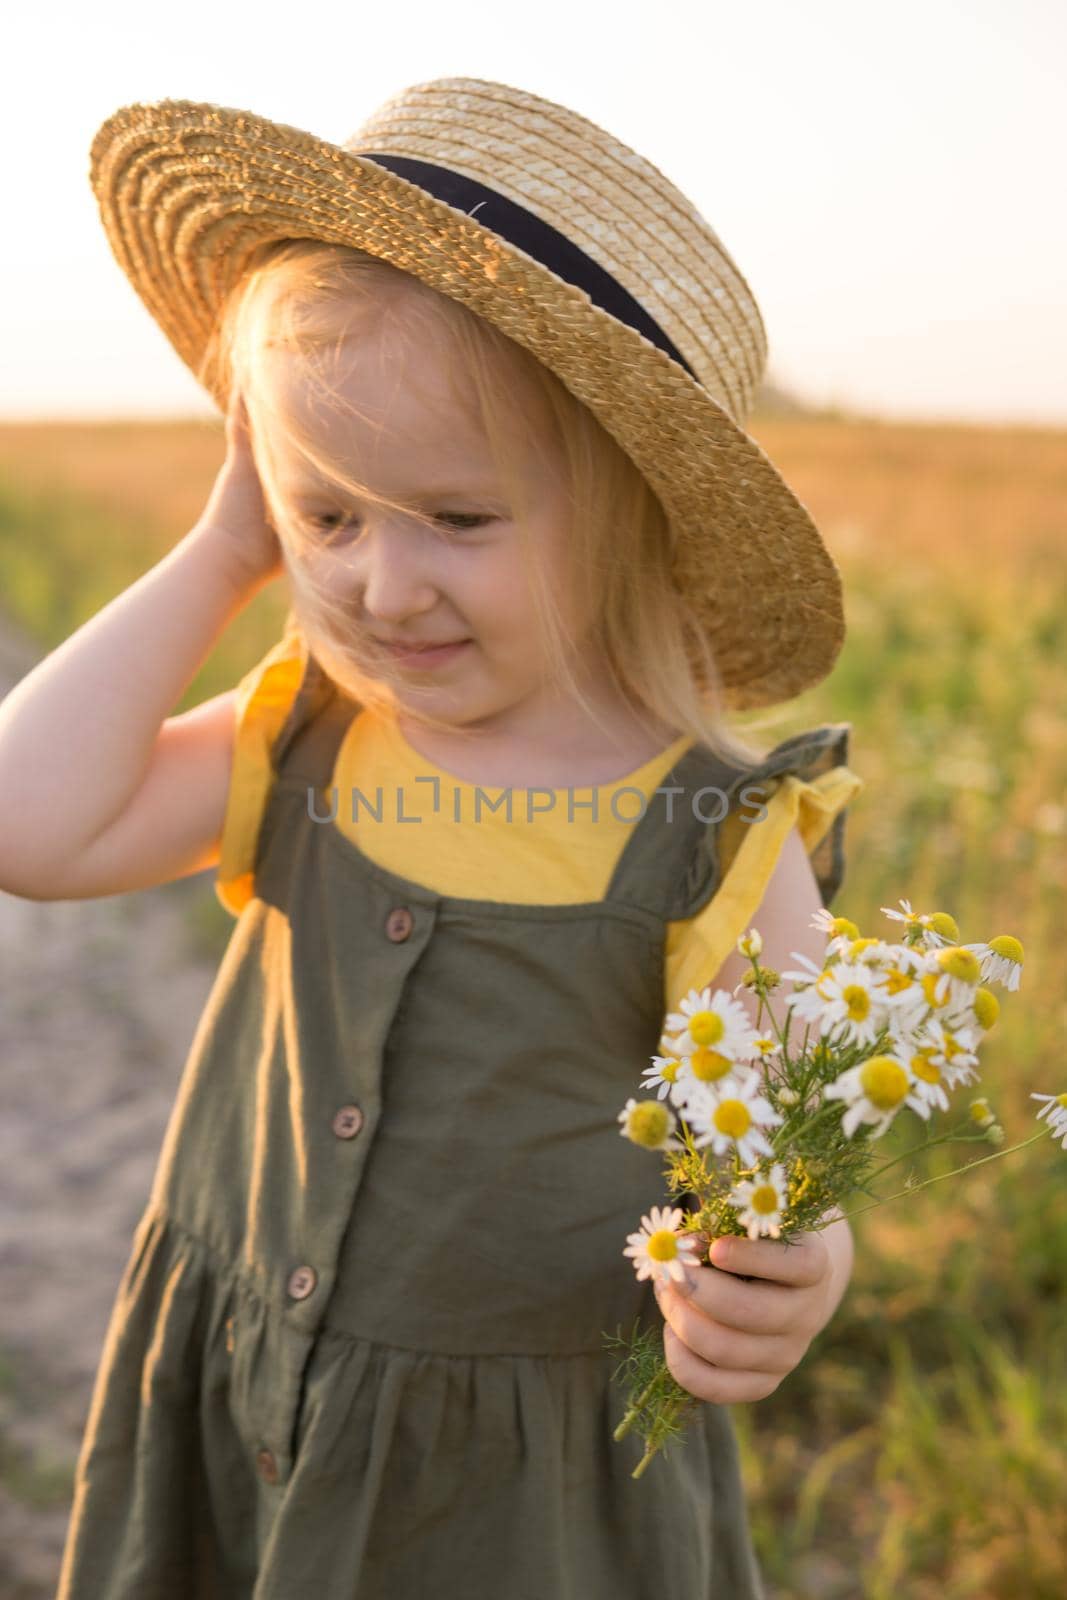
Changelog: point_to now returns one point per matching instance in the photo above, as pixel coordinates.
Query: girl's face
(462, 579)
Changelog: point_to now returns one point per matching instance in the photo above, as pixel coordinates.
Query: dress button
(399, 923)
(268, 1467)
(347, 1122)
(301, 1282)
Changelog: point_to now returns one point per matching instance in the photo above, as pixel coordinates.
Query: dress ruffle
(392, 1450)
(799, 789)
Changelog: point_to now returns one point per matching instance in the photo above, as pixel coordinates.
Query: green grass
(63, 558)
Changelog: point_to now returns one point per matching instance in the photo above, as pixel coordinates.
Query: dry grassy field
(920, 1450)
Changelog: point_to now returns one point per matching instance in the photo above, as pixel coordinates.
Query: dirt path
(98, 1003)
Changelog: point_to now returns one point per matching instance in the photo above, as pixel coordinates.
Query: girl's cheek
(505, 591)
(330, 570)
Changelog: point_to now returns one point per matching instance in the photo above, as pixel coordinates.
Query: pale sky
(884, 176)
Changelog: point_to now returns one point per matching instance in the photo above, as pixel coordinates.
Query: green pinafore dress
(357, 1350)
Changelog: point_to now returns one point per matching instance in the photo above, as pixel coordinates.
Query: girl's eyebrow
(442, 491)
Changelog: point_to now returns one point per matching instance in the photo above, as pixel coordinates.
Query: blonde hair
(303, 297)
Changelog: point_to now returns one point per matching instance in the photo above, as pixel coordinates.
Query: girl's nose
(392, 574)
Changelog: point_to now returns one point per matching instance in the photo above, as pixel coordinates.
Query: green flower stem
(635, 1410)
(764, 1001)
(669, 1415)
(944, 1138)
(650, 1450)
(828, 1108)
(970, 1166)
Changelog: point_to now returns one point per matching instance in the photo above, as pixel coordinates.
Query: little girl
(481, 821)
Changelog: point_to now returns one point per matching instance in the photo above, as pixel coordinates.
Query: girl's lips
(425, 657)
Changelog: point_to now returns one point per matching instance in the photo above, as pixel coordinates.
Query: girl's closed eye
(461, 521)
(471, 518)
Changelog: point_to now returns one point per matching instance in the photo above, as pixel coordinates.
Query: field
(920, 1450)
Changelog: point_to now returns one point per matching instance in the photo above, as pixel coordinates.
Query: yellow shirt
(555, 849)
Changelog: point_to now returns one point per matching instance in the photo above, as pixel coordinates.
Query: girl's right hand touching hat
(236, 508)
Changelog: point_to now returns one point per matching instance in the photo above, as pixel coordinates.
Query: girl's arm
(100, 792)
(785, 921)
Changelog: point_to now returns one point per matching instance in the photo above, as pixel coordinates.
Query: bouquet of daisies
(769, 1135)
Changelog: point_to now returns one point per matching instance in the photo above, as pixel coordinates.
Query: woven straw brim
(187, 191)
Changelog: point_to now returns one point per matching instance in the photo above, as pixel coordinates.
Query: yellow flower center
(669, 1071)
(1004, 945)
(857, 947)
(884, 1082)
(733, 1118)
(924, 1068)
(930, 980)
(1061, 1100)
(986, 1008)
(841, 926)
(941, 923)
(662, 1245)
(980, 1111)
(706, 1027)
(960, 963)
(647, 1123)
(764, 1199)
(709, 1065)
(897, 981)
(857, 1001)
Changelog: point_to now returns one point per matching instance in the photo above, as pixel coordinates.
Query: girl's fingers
(719, 1385)
(751, 1306)
(801, 1263)
(726, 1347)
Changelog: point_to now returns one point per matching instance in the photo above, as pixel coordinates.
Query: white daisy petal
(658, 1250)
(731, 1115)
(874, 1091)
(1055, 1111)
(760, 1202)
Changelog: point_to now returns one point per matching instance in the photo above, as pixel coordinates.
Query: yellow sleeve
(697, 947)
(264, 698)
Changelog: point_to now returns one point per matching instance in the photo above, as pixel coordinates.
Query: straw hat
(575, 246)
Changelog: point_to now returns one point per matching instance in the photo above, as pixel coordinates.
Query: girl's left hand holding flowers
(895, 1026)
(728, 1340)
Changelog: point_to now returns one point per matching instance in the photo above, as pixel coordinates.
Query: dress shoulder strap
(671, 864)
(308, 741)
(662, 861)
(804, 755)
